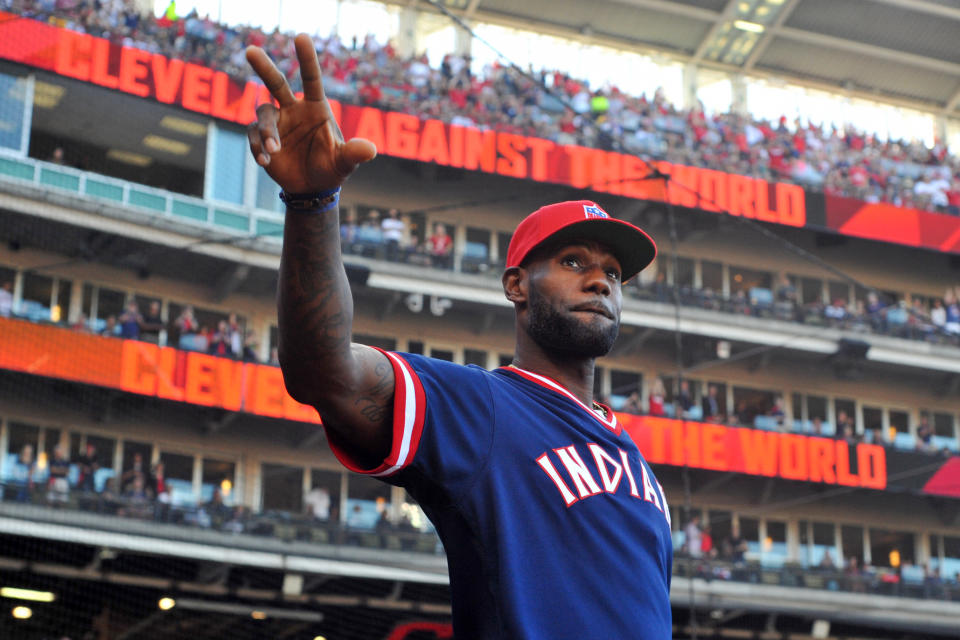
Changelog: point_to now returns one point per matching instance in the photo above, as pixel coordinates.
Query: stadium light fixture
(258, 615)
(166, 603)
(46, 95)
(746, 25)
(27, 594)
(182, 125)
(129, 157)
(22, 613)
(166, 145)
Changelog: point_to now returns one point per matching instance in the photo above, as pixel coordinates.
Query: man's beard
(566, 334)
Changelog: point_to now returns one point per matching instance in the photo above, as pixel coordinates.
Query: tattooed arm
(302, 149)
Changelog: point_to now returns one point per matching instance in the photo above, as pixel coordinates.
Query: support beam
(952, 103)
(892, 55)
(634, 343)
(922, 6)
(220, 423)
(725, 16)
(772, 31)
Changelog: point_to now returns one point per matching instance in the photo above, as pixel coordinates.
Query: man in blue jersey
(553, 523)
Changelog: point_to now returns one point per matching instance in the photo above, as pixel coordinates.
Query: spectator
(58, 486)
(137, 470)
(81, 324)
(23, 470)
(693, 536)
(274, 357)
(707, 548)
(925, 434)
(440, 247)
(685, 398)
(219, 342)
(130, 321)
(6, 299)
(161, 492)
(854, 575)
(711, 405)
(657, 398)
(816, 426)
(844, 421)
(776, 411)
(394, 230)
(88, 465)
(185, 328)
(57, 156)
(250, 345)
(348, 228)
(736, 544)
(151, 324)
(633, 403)
(826, 562)
(235, 338)
(110, 328)
(317, 503)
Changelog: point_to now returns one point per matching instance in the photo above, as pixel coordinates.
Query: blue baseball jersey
(553, 523)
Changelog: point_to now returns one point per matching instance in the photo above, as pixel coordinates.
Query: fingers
(270, 75)
(262, 134)
(353, 152)
(309, 68)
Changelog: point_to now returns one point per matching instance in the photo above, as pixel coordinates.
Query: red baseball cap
(583, 220)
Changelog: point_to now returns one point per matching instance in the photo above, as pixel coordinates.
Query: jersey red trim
(409, 403)
(610, 423)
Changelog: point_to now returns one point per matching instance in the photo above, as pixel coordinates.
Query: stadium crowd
(547, 104)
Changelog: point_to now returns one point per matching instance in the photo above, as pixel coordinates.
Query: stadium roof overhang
(902, 50)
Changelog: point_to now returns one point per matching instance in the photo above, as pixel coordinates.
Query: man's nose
(597, 281)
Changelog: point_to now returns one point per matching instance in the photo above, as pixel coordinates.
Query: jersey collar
(610, 422)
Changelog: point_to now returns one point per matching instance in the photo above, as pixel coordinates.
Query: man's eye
(613, 274)
(570, 261)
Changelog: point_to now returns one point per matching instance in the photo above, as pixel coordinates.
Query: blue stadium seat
(768, 423)
(905, 441)
(668, 410)
(617, 402)
(943, 442)
(695, 412)
(100, 477)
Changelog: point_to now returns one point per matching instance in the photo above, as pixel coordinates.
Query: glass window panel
(900, 420)
(950, 567)
(749, 403)
(823, 543)
(177, 466)
(816, 407)
(711, 275)
(20, 435)
(268, 192)
(383, 342)
(323, 501)
(217, 475)
(943, 425)
(110, 302)
(51, 438)
(719, 527)
(851, 538)
(441, 354)
(873, 422)
(797, 400)
(744, 279)
(282, 487)
(750, 530)
(838, 291)
(230, 156)
(37, 288)
(106, 447)
(59, 312)
(13, 92)
(775, 544)
(811, 290)
(415, 346)
(684, 275)
(475, 356)
(891, 548)
(367, 498)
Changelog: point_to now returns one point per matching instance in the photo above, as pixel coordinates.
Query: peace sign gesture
(300, 144)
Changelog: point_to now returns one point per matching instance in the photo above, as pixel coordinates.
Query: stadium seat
(617, 402)
(475, 257)
(905, 441)
(943, 442)
(695, 412)
(768, 423)
(100, 477)
(761, 299)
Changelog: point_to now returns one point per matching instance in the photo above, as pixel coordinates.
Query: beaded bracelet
(320, 202)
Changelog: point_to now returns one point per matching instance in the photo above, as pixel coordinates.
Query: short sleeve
(442, 422)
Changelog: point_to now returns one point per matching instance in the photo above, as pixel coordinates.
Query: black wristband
(311, 202)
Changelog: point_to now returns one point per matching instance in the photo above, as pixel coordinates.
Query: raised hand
(300, 144)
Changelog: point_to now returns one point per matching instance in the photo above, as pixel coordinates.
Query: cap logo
(593, 211)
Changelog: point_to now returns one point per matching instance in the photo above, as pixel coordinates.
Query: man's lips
(595, 308)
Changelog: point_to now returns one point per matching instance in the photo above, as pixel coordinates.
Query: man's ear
(515, 284)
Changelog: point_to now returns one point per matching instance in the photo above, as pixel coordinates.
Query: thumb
(357, 151)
